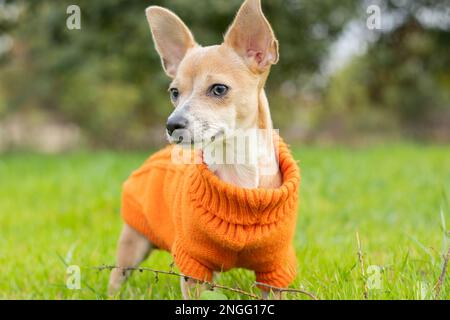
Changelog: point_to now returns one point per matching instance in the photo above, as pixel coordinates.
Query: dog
(215, 216)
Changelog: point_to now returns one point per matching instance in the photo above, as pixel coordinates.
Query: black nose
(176, 122)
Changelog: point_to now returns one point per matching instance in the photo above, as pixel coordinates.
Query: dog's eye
(219, 90)
(174, 93)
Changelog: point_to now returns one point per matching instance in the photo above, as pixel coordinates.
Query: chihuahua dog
(219, 89)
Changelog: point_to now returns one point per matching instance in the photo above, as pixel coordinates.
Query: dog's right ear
(171, 36)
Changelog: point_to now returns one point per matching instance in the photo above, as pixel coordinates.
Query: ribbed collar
(247, 206)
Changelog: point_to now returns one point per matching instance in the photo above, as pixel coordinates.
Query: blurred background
(337, 81)
(367, 113)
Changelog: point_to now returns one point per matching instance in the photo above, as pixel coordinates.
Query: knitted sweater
(209, 225)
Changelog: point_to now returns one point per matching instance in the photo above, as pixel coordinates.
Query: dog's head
(215, 89)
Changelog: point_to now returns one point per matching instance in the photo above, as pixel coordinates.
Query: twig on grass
(440, 281)
(361, 263)
(309, 294)
(212, 285)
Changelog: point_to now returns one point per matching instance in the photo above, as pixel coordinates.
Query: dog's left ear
(252, 37)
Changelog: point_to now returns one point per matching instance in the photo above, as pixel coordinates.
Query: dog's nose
(174, 123)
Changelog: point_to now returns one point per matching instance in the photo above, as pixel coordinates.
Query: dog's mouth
(180, 140)
(185, 141)
(219, 135)
(200, 141)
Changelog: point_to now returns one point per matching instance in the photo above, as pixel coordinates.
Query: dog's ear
(171, 36)
(252, 37)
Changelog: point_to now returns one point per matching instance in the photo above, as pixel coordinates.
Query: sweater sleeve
(282, 275)
(132, 212)
(188, 265)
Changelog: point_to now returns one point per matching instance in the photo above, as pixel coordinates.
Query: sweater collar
(242, 206)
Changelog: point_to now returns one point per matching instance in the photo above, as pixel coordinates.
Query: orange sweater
(209, 225)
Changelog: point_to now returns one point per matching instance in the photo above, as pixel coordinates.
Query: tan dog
(218, 89)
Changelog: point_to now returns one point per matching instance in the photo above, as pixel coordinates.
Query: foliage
(405, 75)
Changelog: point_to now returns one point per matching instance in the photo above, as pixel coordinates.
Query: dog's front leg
(272, 294)
(132, 249)
(191, 289)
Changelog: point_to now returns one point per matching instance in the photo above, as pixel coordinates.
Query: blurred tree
(8, 20)
(107, 76)
(405, 74)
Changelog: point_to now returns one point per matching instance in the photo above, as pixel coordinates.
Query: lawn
(58, 210)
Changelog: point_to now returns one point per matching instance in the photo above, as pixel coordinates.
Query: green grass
(65, 209)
